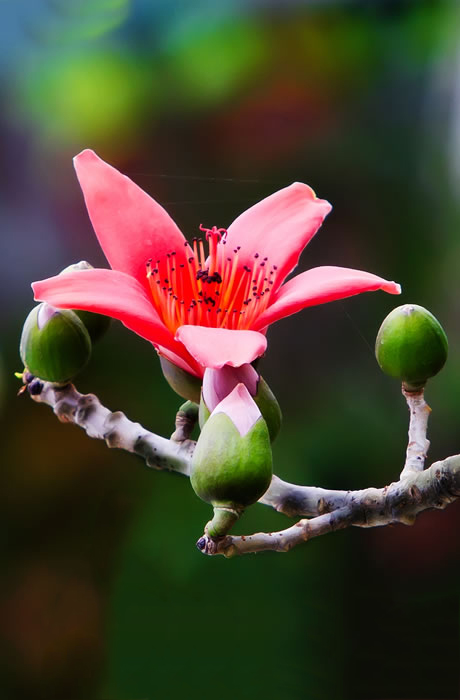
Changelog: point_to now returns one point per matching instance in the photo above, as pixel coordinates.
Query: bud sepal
(183, 383)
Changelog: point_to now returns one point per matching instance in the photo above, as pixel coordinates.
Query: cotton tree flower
(200, 308)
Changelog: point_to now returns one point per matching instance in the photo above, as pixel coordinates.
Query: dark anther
(275, 267)
(35, 387)
(201, 544)
(265, 259)
(256, 255)
(158, 281)
(182, 265)
(262, 264)
(191, 260)
(28, 377)
(155, 270)
(238, 247)
(166, 280)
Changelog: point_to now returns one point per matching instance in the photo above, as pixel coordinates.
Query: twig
(329, 510)
(86, 411)
(400, 502)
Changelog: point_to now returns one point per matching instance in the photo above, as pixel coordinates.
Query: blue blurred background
(210, 107)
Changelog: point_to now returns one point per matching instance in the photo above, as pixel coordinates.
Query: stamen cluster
(214, 290)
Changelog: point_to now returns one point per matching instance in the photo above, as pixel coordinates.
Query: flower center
(213, 289)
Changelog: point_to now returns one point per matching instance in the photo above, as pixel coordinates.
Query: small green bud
(232, 462)
(97, 325)
(411, 345)
(183, 383)
(55, 345)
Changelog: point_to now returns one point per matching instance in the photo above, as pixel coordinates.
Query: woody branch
(322, 510)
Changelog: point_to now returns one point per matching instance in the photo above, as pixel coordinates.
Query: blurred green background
(211, 106)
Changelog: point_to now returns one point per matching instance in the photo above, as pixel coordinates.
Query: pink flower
(200, 309)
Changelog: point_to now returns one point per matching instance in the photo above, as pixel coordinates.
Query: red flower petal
(216, 347)
(319, 285)
(110, 293)
(279, 227)
(130, 225)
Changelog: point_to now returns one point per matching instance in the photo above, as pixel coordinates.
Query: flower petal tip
(392, 288)
(87, 155)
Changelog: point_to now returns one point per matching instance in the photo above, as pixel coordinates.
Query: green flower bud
(411, 345)
(97, 325)
(55, 345)
(232, 462)
(183, 383)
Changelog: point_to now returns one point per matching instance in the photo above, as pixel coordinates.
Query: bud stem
(223, 520)
(418, 444)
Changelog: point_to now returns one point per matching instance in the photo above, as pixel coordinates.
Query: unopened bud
(232, 462)
(55, 345)
(411, 345)
(218, 383)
